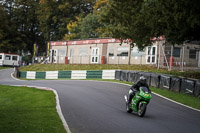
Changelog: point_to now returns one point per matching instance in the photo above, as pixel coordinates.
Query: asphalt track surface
(99, 107)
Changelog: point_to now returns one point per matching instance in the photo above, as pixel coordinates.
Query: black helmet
(143, 80)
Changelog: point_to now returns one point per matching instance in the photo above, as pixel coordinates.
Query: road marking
(155, 94)
(14, 77)
(152, 92)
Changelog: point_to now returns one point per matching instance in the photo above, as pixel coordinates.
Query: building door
(51, 53)
(54, 55)
(151, 55)
(95, 55)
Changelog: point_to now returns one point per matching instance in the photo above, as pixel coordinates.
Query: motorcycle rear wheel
(142, 109)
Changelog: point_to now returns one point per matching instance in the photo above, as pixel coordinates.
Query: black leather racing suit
(135, 88)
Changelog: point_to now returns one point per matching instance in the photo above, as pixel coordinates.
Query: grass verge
(28, 110)
(4, 68)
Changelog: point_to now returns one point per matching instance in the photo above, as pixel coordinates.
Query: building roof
(9, 54)
(84, 42)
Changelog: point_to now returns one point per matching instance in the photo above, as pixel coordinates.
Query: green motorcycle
(139, 102)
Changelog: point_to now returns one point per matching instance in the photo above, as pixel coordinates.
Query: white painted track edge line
(152, 92)
(58, 108)
(14, 77)
(156, 95)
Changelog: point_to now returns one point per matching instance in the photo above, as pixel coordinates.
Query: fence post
(159, 55)
(182, 59)
(129, 55)
(107, 59)
(171, 58)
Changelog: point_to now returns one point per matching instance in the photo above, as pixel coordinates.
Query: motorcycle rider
(141, 83)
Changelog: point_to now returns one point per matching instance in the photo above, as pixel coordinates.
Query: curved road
(99, 107)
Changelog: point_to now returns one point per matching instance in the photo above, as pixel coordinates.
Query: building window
(61, 52)
(192, 54)
(7, 57)
(135, 52)
(177, 52)
(14, 58)
(0, 57)
(122, 51)
(151, 55)
(83, 52)
(111, 52)
(71, 52)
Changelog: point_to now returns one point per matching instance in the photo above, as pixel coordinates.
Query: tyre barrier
(118, 74)
(163, 81)
(30, 75)
(132, 76)
(147, 75)
(108, 74)
(197, 89)
(124, 75)
(76, 74)
(175, 84)
(187, 86)
(154, 80)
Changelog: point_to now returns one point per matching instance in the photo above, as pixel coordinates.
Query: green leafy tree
(87, 27)
(54, 16)
(23, 25)
(140, 20)
(181, 19)
(3, 29)
(10, 40)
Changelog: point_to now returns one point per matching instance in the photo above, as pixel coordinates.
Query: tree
(73, 30)
(87, 27)
(125, 20)
(9, 37)
(23, 25)
(140, 20)
(3, 29)
(55, 15)
(181, 19)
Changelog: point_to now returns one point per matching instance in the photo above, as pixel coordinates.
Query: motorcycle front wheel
(128, 109)
(142, 109)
